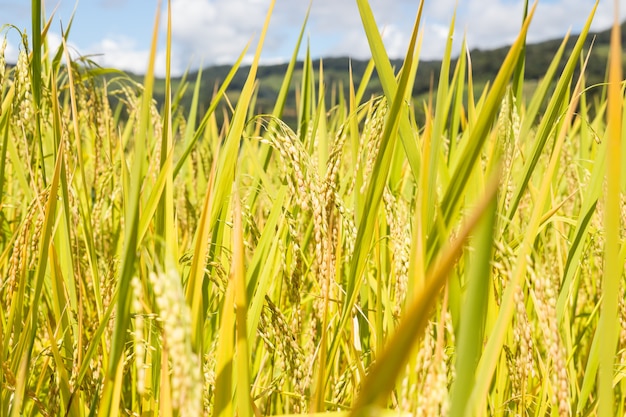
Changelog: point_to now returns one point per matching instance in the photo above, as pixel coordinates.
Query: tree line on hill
(485, 65)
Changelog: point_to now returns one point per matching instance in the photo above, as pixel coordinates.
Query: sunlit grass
(157, 262)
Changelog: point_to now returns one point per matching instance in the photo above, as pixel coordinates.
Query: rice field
(156, 262)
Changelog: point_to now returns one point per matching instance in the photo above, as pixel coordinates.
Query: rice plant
(155, 261)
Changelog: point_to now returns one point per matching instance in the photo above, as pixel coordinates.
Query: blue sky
(117, 32)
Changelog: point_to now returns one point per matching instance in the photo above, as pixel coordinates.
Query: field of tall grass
(155, 262)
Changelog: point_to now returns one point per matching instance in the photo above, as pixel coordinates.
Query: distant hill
(485, 64)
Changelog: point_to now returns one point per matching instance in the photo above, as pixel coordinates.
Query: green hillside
(485, 64)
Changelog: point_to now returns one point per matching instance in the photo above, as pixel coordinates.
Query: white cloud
(335, 26)
(55, 41)
(214, 32)
(14, 43)
(354, 43)
(493, 23)
(120, 52)
(11, 52)
(605, 14)
(396, 40)
(123, 53)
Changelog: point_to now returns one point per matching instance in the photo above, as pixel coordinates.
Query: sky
(117, 33)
